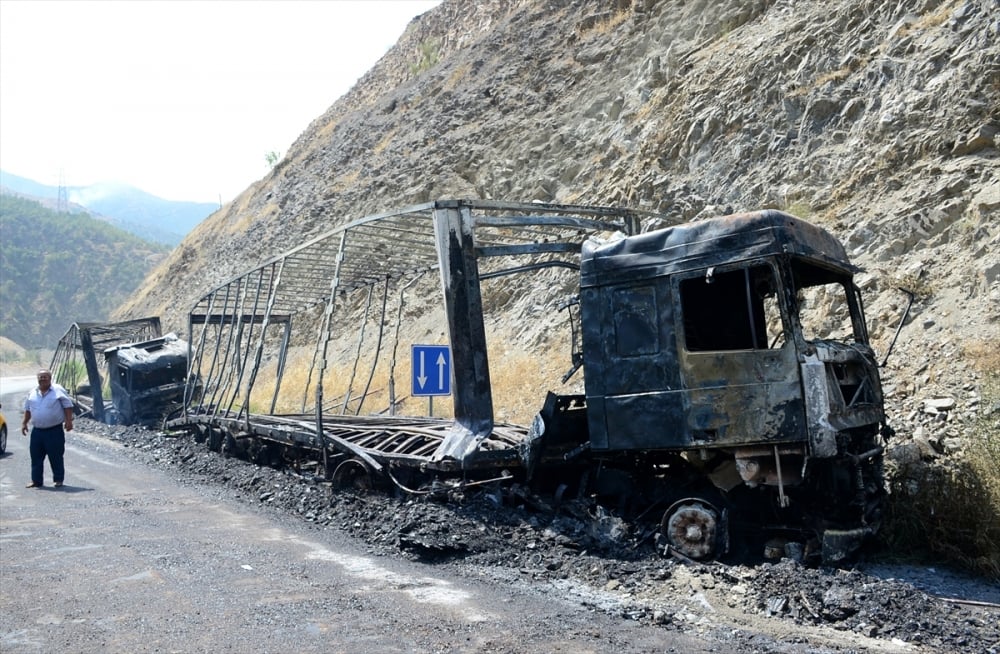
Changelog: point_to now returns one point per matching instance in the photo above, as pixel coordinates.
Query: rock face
(876, 120)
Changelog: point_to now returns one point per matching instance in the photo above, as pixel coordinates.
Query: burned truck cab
(738, 345)
(147, 379)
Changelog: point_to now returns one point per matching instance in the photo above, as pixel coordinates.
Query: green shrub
(429, 55)
(71, 374)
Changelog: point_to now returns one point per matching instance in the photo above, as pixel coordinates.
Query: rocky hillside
(877, 120)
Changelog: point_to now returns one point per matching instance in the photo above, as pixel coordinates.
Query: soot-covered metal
(727, 372)
(122, 372)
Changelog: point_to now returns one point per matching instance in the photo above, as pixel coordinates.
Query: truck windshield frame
(825, 303)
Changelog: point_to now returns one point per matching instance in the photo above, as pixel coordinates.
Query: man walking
(48, 408)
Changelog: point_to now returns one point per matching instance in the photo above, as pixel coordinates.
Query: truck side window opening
(731, 310)
(822, 300)
(150, 377)
(636, 321)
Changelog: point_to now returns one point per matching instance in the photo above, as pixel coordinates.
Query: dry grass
(298, 388)
(833, 76)
(604, 23)
(936, 17)
(457, 75)
(921, 286)
(244, 215)
(800, 209)
(929, 20)
(326, 131)
(653, 104)
(519, 382)
(952, 509)
(347, 180)
(611, 22)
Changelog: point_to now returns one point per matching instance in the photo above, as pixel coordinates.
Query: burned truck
(730, 377)
(139, 379)
(147, 379)
(729, 386)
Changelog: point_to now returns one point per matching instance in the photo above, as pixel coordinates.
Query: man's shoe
(58, 484)
(33, 485)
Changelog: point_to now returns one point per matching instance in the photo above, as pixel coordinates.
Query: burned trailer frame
(734, 351)
(245, 324)
(78, 360)
(728, 376)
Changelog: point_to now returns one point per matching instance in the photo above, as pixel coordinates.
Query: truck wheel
(214, 440)
(3, 439)
(695, 529)
(352, 474)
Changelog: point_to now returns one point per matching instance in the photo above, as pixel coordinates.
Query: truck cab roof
(705, 243)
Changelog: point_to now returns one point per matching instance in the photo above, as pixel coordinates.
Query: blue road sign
(431, 365)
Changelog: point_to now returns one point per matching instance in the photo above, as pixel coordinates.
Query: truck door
(739, 368)
(631, 367)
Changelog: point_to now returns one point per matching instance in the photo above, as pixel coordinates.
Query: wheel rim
(352, 474)
(692, 528)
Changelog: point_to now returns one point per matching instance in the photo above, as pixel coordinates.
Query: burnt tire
(214, 440)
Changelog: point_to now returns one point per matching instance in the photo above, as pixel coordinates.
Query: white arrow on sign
(421, 378)
(440, 364)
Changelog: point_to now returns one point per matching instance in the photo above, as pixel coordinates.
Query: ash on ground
(580, 550)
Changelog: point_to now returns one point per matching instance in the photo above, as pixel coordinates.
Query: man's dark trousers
(51, 442)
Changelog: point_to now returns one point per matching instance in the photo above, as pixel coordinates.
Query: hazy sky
(182, 99)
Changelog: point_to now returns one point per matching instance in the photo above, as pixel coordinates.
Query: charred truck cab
(125, 372)
(147, 379)
(729, 359)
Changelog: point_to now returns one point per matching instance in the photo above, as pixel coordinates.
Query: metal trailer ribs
(75, 358)
(246, 322)
(387, 440)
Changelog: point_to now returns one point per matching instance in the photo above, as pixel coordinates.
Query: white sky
(182, 99)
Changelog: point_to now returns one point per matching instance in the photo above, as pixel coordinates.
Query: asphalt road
(126, 559)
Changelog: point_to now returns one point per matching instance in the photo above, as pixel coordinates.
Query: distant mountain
(128, 208)
(61, 268)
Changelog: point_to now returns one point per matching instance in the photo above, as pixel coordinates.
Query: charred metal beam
(529, 268)
(532, 248)
(473, 397)
(548, 221)
(90, 362)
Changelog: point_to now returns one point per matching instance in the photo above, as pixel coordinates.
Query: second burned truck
(729, 383)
